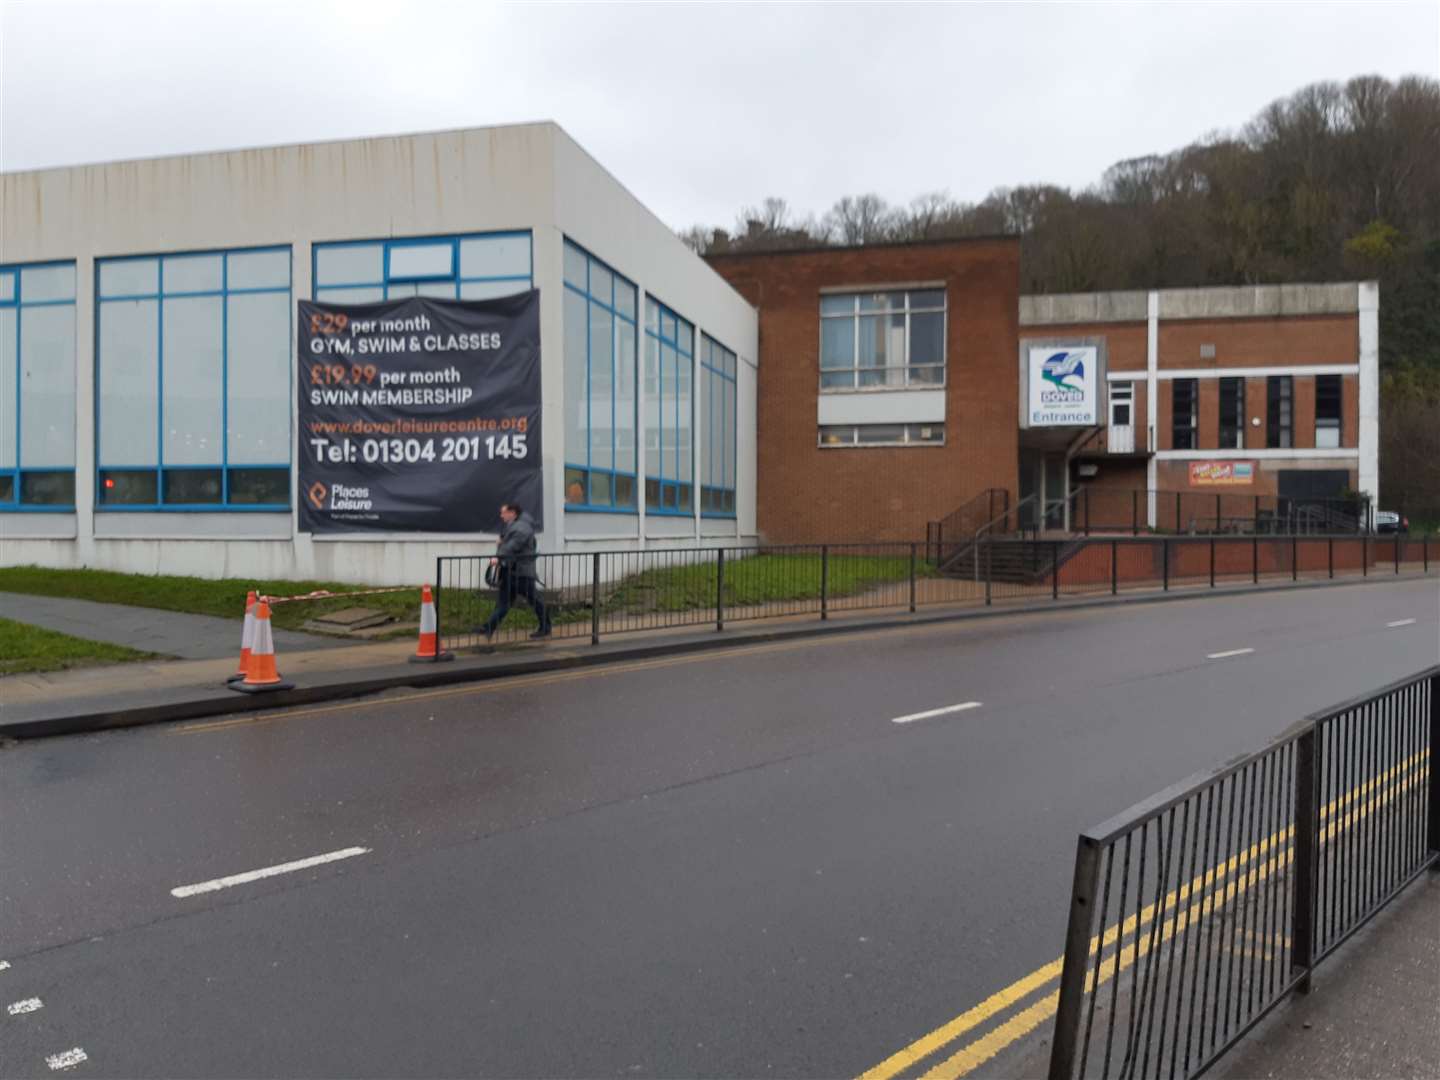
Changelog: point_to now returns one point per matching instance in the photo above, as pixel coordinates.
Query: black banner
(419, 415)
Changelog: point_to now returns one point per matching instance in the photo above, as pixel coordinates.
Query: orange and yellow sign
(1222, 473)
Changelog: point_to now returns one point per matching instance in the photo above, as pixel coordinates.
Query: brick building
(898, 384)
(887, 391)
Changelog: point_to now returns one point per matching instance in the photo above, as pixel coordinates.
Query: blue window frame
(473, 266)
(719, 369)
(600, 398)
(193, 392)
(37, 387)
(669, 411)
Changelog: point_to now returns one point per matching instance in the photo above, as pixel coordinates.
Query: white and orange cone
(261, 674)
(428, 651)
(247, 639)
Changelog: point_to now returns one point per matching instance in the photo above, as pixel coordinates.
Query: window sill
(911, 389)
(199, 508)
(882, 446)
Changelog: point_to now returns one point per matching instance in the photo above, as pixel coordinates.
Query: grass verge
(224, 598)
(750, 581)
(26, 648)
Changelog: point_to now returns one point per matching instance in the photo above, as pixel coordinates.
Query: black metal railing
(957, 529)
(1105, 510)
(1196, 912)
(601, 593)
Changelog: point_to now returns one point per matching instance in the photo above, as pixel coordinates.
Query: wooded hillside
(1336, 182)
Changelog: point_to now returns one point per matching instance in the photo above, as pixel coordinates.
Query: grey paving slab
(170, 633)
(1374, 1007)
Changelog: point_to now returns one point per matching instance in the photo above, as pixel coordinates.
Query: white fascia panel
(1246, 372)
(1302, 453)
(883, 407)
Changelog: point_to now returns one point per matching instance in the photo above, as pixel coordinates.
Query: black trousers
(513, 586)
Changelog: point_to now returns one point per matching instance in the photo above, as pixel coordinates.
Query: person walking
(514, 564)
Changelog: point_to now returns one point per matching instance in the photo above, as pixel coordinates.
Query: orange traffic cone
(247, 639)
(262, 675)
(428, 650)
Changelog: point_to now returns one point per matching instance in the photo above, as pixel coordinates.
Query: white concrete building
(147, 349)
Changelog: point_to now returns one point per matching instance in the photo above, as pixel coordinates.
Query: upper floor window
(1184, 396)
(194, 395)
(1232, 414)
(1279, 419)
(476, 267)
(882, 339)
(37, 387)
(1328, 411)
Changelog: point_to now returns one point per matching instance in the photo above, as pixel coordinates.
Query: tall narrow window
(1279, 402)
(1184, 396)
(194, 381)
(1232, 414)
(1328, 411)
(717, 469)
(600, 401)
(1122, 401)
(669, 411)
(37, 387)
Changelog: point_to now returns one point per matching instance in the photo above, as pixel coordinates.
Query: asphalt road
(731, 864)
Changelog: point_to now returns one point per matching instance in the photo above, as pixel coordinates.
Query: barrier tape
(326, 594)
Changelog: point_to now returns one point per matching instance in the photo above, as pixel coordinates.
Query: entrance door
(1054, 499)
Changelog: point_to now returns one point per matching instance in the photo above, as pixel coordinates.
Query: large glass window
(600, 405)
(1232, 414)
(720, 370)
(475, 267)
(37, 387)
(1184, 400)
(882, 339)
(1279, 405)
(669, 411)
(1328, 411)
(193, 407)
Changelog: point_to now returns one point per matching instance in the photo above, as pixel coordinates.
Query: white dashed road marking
(1400, 622)
(269, 871)
(29, 1005)
(68, 1060)
(1225, 655)
(936, 712)
(4, 964)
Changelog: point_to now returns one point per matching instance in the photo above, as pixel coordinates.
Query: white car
(1387, 521)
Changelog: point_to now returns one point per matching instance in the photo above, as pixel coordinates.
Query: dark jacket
(517, 546)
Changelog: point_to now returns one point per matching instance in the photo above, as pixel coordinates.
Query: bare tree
(859, 219)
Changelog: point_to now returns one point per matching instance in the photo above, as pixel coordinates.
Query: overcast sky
(699, 109)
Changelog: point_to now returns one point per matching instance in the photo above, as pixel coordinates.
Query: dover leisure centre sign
(1064, 384)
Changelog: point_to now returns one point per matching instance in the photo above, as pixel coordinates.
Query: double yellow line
(1277, 847)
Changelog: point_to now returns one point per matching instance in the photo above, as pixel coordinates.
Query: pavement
(1373, 1011)
(731, 862)
(166, 633)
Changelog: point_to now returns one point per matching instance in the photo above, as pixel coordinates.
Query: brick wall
(808, 493)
